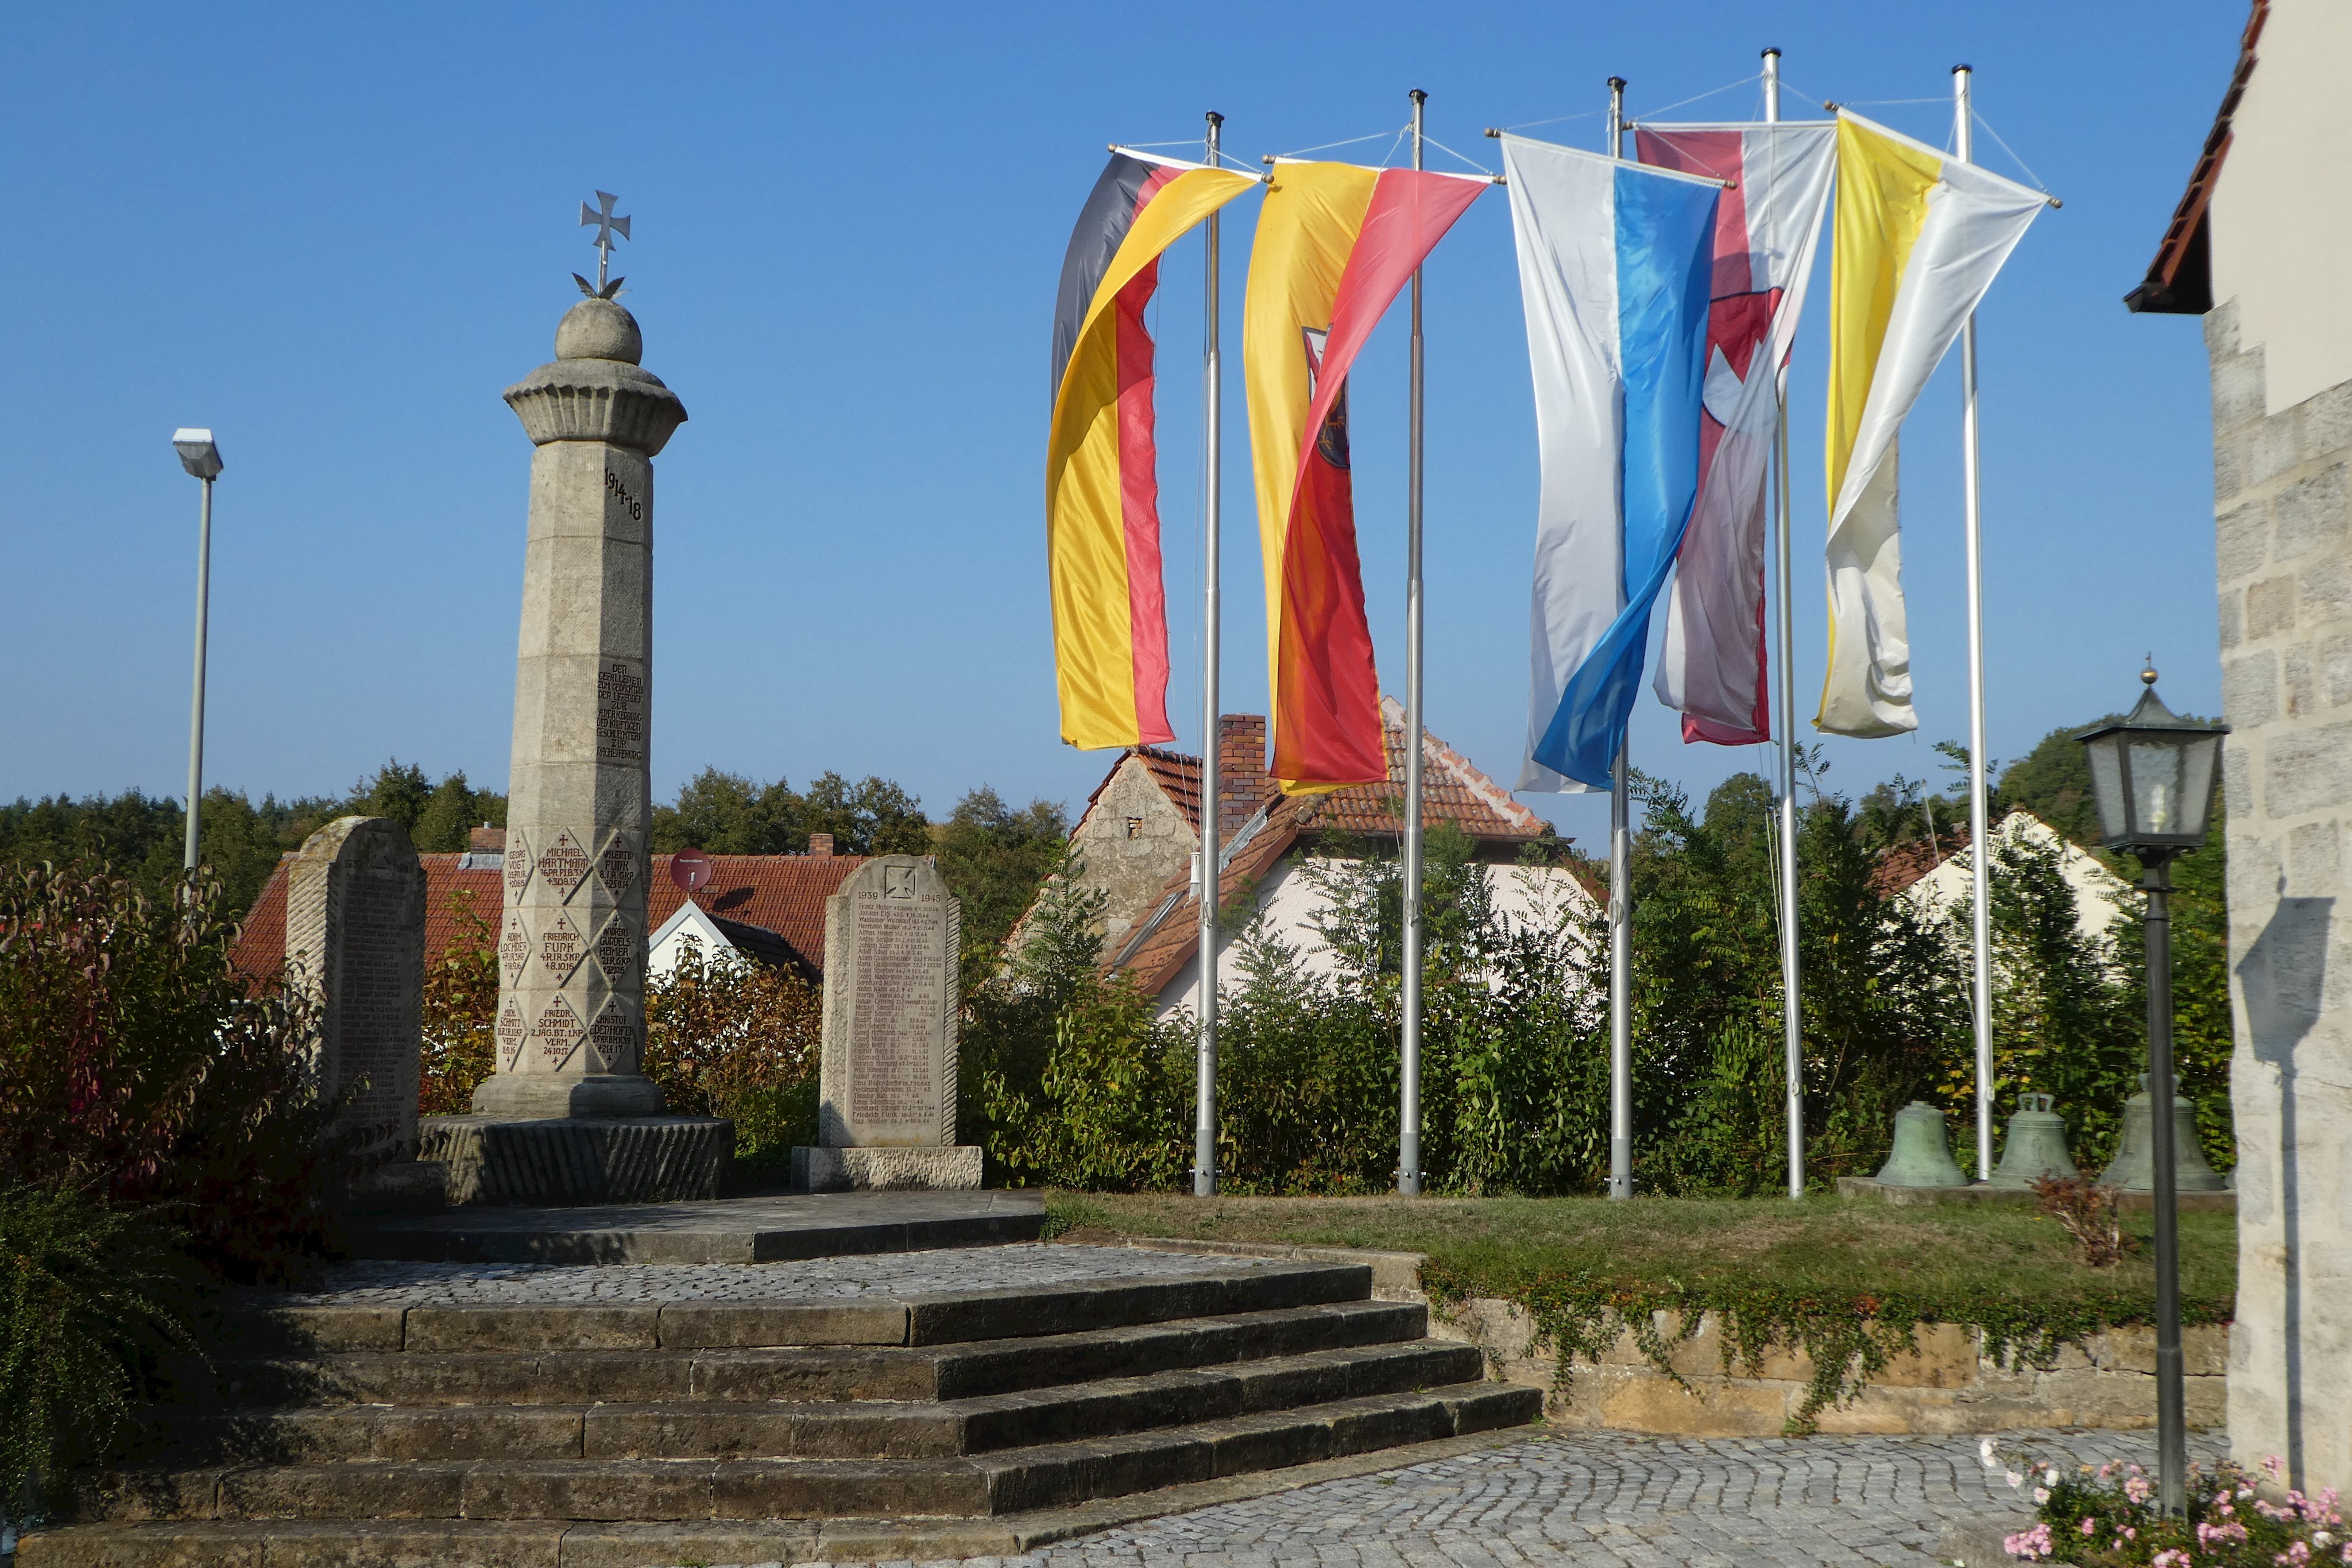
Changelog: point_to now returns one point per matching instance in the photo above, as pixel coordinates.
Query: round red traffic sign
(689, 869)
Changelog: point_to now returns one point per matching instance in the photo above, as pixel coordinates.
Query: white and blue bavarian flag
(1616, 263)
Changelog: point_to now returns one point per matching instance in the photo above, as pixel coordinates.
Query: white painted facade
(1290, 900)
(2280, 227)
(2099, 894)
(688, 924)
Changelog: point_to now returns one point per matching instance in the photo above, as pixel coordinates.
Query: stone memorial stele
(886, 1070)
(568, 1115)
(355, 947)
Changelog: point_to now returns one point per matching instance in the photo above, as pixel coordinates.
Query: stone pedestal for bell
(2134, 1167)
(1922, 1156)
(2036, 1146)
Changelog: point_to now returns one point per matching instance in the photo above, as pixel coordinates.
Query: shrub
(2108, 1517)
(460, 1016)
(86, 1293)
(137, 1066)
(725, 1037)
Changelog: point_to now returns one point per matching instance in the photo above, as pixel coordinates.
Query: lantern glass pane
(2156, 787)
(2197, 761)
(2107, 786)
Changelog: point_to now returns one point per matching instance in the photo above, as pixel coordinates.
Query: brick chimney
(487, 840)
(820, 846)
(1242, 779)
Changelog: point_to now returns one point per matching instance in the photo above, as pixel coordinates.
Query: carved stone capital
(596, 400)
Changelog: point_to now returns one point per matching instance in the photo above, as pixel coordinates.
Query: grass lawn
(1833, 1249)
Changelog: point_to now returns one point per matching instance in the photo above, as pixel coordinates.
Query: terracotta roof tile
(1900, 865)
(783, 894)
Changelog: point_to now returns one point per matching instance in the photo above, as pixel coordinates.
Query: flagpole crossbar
(1894, 135)
(1139, 155)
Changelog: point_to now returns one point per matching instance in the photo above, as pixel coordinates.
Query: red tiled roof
(783, 893)
(1900, 865)
(1453, 789)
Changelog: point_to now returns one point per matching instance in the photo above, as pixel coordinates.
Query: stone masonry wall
(2283, 552)
(1132, 868)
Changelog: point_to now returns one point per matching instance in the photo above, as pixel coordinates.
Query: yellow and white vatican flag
(1919, 237)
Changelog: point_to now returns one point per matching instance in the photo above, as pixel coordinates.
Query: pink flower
(2040, 1495)
(2015, 1481)
(2137, 1488)
(2032, 1543)
(2272, 1464)
(2090, 1525)
(2173, 1558)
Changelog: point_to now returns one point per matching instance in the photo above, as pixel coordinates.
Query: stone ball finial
(599, 330)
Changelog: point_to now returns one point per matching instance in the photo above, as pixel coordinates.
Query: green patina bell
(2036, 1146)
(2134, 1169)
(1922, 1154)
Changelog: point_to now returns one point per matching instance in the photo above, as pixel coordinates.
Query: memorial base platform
(952, 1168)
(579, 1159)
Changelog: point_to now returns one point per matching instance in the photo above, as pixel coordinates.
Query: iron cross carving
(607, 224)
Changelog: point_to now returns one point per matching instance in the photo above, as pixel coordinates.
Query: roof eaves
(2180, 281)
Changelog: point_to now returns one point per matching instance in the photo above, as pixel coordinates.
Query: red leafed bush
(136, 1066)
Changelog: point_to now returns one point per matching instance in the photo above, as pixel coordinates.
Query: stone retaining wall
(1949, 1387)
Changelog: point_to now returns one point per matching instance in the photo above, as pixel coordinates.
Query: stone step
(844, 1429)
(796, 1373)
(970, 1487)
(927, 1319)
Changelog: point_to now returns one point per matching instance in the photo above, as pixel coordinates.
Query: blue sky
(336, 234)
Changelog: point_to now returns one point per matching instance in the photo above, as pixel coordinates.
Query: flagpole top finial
(1418, 96)
(1963, 69)
(1215, 118)
(1617, 84)
(1772, 54)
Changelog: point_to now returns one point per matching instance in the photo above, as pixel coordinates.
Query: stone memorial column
(886, 1069)
(571, 948)
(355, 947)
(569, 1116)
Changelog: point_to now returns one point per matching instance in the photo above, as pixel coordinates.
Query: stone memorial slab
(356, 945)
(886, 1074)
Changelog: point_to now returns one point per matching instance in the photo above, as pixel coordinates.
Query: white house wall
(1290, 900)
(2098, 892)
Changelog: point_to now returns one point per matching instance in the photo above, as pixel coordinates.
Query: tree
(872, 817)
(994, 858)
(727, 814)
(727, 1037)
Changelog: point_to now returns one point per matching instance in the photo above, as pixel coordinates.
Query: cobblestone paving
(815, 1278)
(1614, 1498)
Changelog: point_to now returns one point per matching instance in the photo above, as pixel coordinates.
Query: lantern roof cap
(2149, 713)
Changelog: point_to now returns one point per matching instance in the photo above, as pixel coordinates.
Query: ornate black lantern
(2153, 776)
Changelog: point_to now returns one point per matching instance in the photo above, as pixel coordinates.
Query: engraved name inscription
(900, 992)
(620, 714)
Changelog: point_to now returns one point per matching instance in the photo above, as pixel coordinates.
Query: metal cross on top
(607, 223)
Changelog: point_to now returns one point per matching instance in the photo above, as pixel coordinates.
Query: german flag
(1102, 489)
(1335, 244)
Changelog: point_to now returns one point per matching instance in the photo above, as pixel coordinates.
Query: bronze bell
(1922, 1156)
(2134, 1167)
(2036, 1146)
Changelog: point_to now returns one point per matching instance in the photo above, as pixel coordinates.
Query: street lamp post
(201, 459)
(2152, 775)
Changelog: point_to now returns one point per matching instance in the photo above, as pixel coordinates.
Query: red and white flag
(1712, 669)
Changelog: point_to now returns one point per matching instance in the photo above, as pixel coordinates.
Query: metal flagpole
(1409, 1109)
(1204, 1127)
(1979, 842)
(1792, 1020)
(1621, 882)
(196, 703)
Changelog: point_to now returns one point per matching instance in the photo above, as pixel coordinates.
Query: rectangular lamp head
(197, 453)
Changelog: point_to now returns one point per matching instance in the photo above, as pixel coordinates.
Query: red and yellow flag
(1335, 244)
(1102, 489)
